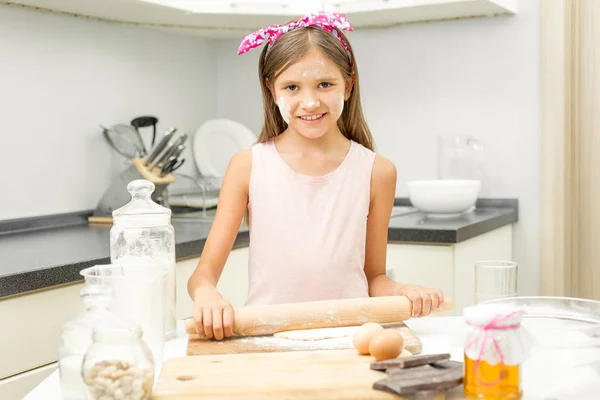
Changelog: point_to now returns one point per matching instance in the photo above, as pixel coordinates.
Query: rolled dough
(318, 334)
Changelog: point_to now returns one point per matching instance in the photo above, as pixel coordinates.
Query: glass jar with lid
(142, 234)
(495, 350)
(460, 157)
(118, 365)
(76, 337)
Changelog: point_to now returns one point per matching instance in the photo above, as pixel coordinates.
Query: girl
(318, 199)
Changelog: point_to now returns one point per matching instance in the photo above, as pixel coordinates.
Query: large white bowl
(444, 196)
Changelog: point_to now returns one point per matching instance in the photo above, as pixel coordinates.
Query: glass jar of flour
(142, 234)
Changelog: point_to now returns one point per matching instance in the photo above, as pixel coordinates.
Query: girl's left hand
(424, 301)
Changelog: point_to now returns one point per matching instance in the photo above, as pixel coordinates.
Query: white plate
(216, 142)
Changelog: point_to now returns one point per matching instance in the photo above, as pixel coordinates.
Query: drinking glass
(138, 294)
(495, 279)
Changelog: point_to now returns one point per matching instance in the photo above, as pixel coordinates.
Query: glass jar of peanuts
(118, 365)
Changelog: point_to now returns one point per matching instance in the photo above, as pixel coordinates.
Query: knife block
(154, 175)
(117, 195)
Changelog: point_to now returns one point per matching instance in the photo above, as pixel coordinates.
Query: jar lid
(510, 342)
(482, 314)
(141, 203)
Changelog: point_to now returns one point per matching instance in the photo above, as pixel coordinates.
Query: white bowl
(444, 196)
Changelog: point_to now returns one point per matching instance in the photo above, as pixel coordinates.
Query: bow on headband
(329, 22)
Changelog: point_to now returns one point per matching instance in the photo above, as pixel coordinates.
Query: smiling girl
(318, 198)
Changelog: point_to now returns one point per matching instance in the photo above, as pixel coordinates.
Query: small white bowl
(444, 196)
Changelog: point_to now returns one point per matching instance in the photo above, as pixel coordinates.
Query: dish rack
(195, 192)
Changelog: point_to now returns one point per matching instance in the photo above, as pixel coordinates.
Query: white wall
(477, 77)
(61, 77)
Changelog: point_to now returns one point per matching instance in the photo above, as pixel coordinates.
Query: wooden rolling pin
(266, 320)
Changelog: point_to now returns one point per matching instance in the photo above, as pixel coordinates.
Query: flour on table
(318, 334)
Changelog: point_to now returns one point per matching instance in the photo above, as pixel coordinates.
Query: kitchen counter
(444, 335)
(430, 330)
(38, 253)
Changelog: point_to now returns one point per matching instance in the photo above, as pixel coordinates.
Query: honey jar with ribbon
(496, 347)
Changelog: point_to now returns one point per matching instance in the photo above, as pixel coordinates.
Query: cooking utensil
(171, 165)
(198, 346)
(122, 143)
(160, 146)
(144, 122)
(132, 134)
(269, 319)
(177, 152)
(163, 156)
(173, 150)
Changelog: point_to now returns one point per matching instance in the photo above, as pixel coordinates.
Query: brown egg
(363, 335)
(386, 344)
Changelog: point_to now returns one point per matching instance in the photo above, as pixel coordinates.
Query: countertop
(427, 329)
(546, 373)
(48, 251)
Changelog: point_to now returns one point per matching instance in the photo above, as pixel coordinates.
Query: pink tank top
(307, 233)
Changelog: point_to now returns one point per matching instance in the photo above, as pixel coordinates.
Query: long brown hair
(289, 49)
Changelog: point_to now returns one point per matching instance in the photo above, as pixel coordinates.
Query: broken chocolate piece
(409, 383)
(448, 364)
(409, 373)
(425, 370)
(411, 361)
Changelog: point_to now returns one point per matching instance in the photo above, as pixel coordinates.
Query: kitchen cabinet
(383, 13)
(236, 18)
(17, 386)
(450, 267)
(30, 337)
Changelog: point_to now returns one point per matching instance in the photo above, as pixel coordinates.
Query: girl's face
(310, 95)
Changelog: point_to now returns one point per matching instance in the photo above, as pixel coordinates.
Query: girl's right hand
(213, 315)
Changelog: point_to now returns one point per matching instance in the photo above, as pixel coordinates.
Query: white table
(438, 334)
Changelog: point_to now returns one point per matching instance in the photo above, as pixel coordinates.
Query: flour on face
(284, 109)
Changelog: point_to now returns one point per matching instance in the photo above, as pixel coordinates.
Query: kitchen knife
(268, 319)
(160, 146)
(171, 165)
(172, 151)
(158, 161)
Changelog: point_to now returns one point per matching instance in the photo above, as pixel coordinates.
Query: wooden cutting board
(321, 374)
(262, 344)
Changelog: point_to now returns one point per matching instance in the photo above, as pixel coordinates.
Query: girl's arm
(213, 315)
(383, 192)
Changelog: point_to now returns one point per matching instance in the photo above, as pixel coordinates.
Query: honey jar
(495, 349)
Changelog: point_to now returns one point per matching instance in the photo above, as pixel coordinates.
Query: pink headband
(329, 22)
